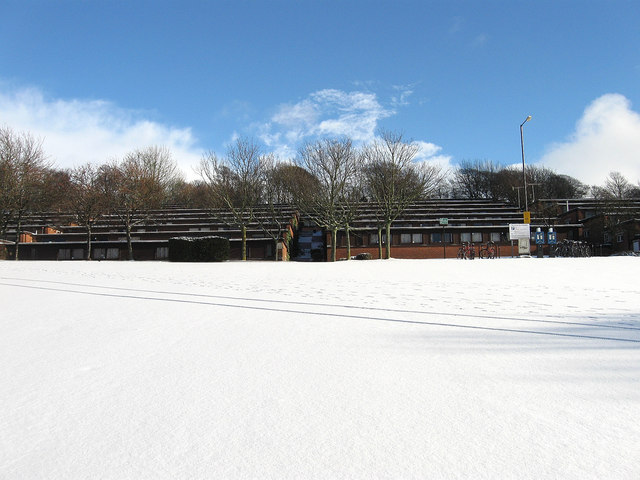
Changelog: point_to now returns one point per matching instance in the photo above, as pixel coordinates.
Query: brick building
(437, 228)
(57, 237)
(427, 229)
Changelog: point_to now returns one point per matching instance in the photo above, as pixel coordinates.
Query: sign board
(552, 238)
(524, 246)
(527, 217)
(519, 230)
(444, 221)
(539, 236)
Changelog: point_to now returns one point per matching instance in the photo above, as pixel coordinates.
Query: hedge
(198, 249)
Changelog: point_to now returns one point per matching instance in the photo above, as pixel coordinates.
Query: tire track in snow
(332, 305)
(331, 314)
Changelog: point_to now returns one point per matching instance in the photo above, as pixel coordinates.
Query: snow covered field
(511, 368)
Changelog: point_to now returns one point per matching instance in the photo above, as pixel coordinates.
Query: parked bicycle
(488, 251)
(467, 251)
(573, 248)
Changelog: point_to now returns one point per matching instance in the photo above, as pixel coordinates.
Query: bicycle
(488, 251)
(467, 251)
(572, 248)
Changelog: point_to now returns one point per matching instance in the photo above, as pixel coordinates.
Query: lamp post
(524, 175)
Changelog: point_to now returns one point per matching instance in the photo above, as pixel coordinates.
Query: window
(411, 238)
(476, 237)
(99, 253)
(495, 237)
(77, 254)
(436, 238)
(465, 237)
(619, 237)
(162, 253)
(64, 254)
(448, 238)
(374, 238)
(607, 237)
(585, 233)
(113, 253)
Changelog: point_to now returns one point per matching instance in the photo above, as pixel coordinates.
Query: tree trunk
(88, 257)
(129, 242)
(244, 242)
(276, 242)
(347, 234)
(18, 229)
(388, 242)
(380, 242)
(334, 246)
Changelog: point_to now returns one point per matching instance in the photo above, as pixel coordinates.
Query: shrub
(363, 256)
(317, 255)
(198, 249)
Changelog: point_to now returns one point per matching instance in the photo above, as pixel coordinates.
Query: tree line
(328, 181)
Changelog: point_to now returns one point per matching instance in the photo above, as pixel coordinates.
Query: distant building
(427, 229)
(56, 237)
(611, 226)
(437, 228)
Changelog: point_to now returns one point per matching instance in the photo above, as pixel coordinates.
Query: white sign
(524, 246)
(519, 230)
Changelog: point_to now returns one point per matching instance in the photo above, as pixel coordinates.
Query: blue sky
(96, 79)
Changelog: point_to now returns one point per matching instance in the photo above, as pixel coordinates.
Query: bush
(198, 249)
(362, 256)
(317, 255)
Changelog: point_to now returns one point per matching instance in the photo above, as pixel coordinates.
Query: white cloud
(606, 138)
(332, 113)
(401, 99)
(79, 131)
(480, 40)
(327, 112)
(429, 153)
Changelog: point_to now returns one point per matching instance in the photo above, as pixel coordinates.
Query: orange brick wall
(420, 252)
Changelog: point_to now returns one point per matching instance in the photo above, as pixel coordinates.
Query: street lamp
(524, 176)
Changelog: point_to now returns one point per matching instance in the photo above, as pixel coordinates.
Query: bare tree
(136, 185)
(352, 199)
(475, 179)
(23, 167)
(394, 180)
(188, 194)
(617, 205)
(52, 192)
(554, 185)
(334, 164)
(616, 186)
(277, 211)
(86, 198)
(7, 180)
(235, 183)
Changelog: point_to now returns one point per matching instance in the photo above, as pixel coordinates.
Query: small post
(444, 245)
(443, 223)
